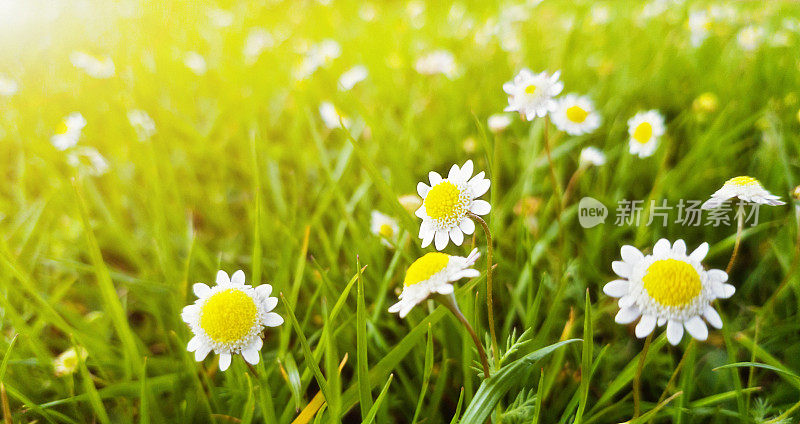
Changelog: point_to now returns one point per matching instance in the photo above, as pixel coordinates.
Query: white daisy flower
(87, 159)
(575, 115)
(67, 362)
(258, 40)
(745, 188)
(432, 274)
(229, 318)
(330, 116)
(750, 37)
(384, 227)
(532, 94)
(69, 131)
(142, 123)
(592, 156)
(352, 77)
(437, 62)
(8, 87)
(195, 62)
(645, 128)
(95, 67)
(699, 27)
(445, 204)
(498, 122)
(668, 287)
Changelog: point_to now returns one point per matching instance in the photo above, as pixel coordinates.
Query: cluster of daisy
(66, 139)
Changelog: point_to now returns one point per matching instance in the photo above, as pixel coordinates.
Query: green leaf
(362, 366)
(374, 410)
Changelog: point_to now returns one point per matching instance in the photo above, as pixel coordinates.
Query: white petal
(270, 303)
(189, 313)
(661, 321)
(697, 328)
(661, 248)
(457, 236)
(631, 254)
(616, 288)
(712, 317)
(238, 277)
(201, 353)
(420, 212)
(454, 173)
(626, 301)
(264, 290)
(623, 269)
(467, 226)
(718, 275)
(193, 344)
(395, 308)
(434, 178)
(224, 361)
(466, 170)
(627, 315)
(480, 187)
(441, 239)
(251, 355)
(645, 326)
(467, 273)
(222, 277)
(422, 189)
(674, 332)
(480, 207)
(428, 238)
(679, 247)
(700, 253)
(272, 319)
(444, 289)
(727, 291)
(201, 290)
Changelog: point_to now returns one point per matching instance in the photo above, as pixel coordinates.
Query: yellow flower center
(386, 230)
(425, 267)
(672, 282)
(530, 89)
(742, 181)
(576, 114)
(228, 316)
(443, 202)
(62, 127)
(643, 132)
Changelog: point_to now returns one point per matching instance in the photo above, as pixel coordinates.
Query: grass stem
(489, 307)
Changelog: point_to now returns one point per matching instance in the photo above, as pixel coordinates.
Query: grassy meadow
(235, 158)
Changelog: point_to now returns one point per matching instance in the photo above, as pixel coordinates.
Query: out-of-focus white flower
(576, 115)
(745, 188)
(319, 55)
(67, 362)
(69, 131)
(750, 37)
(330, 116)
(699, 27)
(352, 77)
(532, 94)
(592, 156)
(195, 62)
(600, 14)
(654, 8)
(95, 67)
(220, 18)
(780, 38)
(385, 227)
(416, 13)
(368, 12)
(645, 128)
(87, 159)
(142, 123)
(8, 87)
(437, 62)
(258, 40)
(498, 122)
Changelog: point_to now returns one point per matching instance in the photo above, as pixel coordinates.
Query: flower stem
(739, 227)
(489, 307)
(449, 301)
(637, 380)
(678, 368)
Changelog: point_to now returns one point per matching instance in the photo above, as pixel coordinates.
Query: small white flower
(433, 274)
(745, 188)
(575, 115)
(532, 94)
(384, 227)
(220, 18)
(352, 77)
(750, 37)
(258, 40)
(87, 159)
(195, 62)
(8, 87)
(325, 52)
(142, 123)
(446, 202)
(668, 287)
(95, 67)
(69, 131)
(592, 156)
(330, 116)
(67, 362)
(229, 318)
(600, 14)
(699, 27)
(645, 128)
(437, 62)
(498, 122)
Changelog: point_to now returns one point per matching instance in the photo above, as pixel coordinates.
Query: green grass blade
(362, 366)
